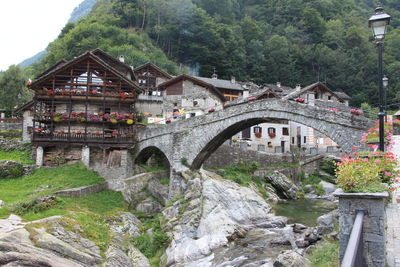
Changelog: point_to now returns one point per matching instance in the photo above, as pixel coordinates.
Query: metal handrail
(353, 255)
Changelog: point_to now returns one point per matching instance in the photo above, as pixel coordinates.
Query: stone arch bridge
(188, 143)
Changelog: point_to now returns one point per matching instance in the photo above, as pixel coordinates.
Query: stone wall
(10, 126)
(82, 191)
(374, 223)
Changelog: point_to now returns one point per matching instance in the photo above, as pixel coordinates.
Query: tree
(13, 89)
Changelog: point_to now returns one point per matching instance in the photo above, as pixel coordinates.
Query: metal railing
(353, 256)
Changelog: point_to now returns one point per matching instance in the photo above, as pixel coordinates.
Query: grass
(23, 156)
(91, 212)
(152, 246)
(44, 181)
(325, 255)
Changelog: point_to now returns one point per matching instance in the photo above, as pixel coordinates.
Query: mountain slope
(265, 41)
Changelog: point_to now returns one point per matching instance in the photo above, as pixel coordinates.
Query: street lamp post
(378, 22)
(385, 81)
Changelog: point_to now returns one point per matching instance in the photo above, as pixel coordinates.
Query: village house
(149, 77)
(84, 109)
(187, 96)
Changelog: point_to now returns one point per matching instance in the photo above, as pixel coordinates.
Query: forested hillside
(291, 41)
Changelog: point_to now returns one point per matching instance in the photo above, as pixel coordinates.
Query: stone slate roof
(342, 95)
(195, 80)
(297, 93)
(151, 65)
(280, 90)
(225, 84)
(257, 95)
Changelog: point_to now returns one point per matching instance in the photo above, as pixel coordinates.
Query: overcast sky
(27, 26)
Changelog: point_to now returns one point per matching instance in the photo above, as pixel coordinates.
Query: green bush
(328, 166)
(149, 245)
(34, 205)
(11, 170)
(319, 189)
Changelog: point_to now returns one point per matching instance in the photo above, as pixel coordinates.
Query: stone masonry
(193, 140)
(374, 221)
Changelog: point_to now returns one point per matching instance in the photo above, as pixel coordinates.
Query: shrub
(34, 205)
(328, 166)
(362, 172)
(10, 169)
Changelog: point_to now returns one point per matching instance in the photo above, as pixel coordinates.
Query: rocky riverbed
(216, 222)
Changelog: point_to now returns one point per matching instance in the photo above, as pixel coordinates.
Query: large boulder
(329, 188)
(284, 186)
(290, 258)
(326, 222)
(212, 213)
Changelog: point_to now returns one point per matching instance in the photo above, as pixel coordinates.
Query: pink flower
(353, 148)
(377, 161)
(388, 173)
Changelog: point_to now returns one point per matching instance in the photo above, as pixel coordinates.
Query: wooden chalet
(88, 101)
(149, 76)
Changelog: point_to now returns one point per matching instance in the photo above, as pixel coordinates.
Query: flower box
(211, 110)
(299, 99)
(356, 111)
(253, 98)
(258, 135)
(272, 135)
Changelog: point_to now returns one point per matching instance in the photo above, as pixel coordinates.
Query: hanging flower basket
(299, 99)
(272, 135)
(211, 110)
(129, 121)
(113, 121)
(356, 111)
(251, 98)
(258, 135)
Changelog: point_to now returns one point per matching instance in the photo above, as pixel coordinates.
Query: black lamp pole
(378, 22)
(381, 114)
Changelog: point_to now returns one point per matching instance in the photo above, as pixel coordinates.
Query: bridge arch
(153, 154)
(196, 138)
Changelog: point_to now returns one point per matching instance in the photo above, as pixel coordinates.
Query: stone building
(186, 96)
(26, 110)
(84, 109)
(149, 77)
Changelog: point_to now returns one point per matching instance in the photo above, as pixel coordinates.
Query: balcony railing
(84, 138)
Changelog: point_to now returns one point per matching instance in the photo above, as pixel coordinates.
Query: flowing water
(304, 211)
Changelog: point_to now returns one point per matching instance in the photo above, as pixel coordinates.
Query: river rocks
(283, 185)
(326, 223)
(212, 212)
(13, 222)
(328, 187)
(17, 249)
(291, 258)
(298, 227)
(121, 253)
(149, 205)
(158, 190)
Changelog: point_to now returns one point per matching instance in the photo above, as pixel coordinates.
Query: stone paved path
(393, 218)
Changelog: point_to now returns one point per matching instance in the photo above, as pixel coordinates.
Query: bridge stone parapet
(188, 143)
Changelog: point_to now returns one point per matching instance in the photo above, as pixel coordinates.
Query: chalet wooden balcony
(90, 98)
(82, 138)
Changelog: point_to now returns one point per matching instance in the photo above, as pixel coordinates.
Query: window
(285, 131)
(329, 97)
(175, 104)
(192, 114)
(195, 103)
(316, 96)
(271, 130)
(305, 139)
(257, 129)
(293, 140)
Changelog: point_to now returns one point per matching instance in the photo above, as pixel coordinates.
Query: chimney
(122, 59)
(298, 87)
(278, 84)
(233, 79)
(214, 76)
